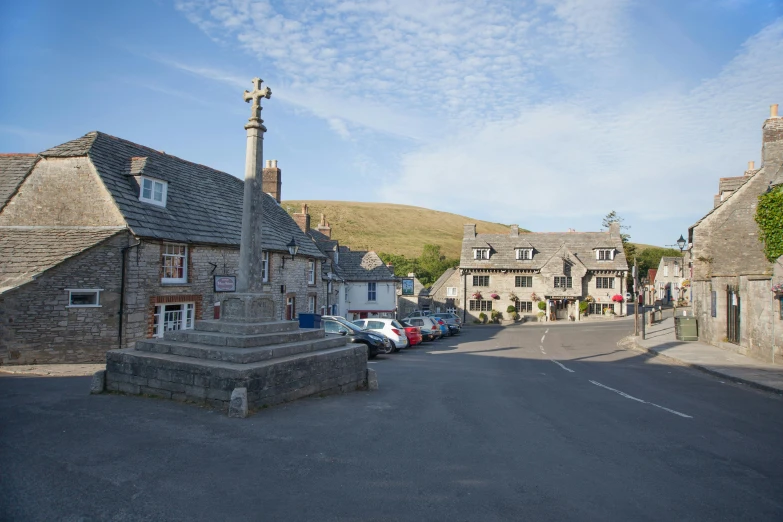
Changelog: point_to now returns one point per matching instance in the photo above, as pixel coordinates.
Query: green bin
(686, 329)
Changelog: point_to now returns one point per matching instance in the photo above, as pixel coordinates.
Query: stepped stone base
(275, 361)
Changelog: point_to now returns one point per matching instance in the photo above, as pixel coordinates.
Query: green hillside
(395, 229)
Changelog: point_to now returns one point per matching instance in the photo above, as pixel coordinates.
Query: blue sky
(546, 113)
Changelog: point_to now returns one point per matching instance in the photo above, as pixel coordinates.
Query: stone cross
(256, 96)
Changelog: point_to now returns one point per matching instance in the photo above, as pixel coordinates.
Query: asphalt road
(521, 423)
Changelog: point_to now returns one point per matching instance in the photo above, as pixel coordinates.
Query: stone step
(244, 341)
(218, 325)
(238, 355)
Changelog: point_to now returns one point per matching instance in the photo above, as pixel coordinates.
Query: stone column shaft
(249, 276)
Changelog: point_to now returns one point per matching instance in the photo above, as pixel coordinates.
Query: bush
(511, 309)
(541, 315)
(482, 318)
(583, 306)
(515, 315)
(497, 315)
(542, 306)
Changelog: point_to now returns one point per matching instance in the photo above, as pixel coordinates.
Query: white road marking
(546, 331)
(640, 400)
(542, 338)
(563, 367)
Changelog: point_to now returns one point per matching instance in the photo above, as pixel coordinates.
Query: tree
(428, 267)
(629, 249)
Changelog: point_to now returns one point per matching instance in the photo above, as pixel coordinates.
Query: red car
(413, 334)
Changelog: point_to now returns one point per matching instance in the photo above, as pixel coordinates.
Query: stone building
(669, 277)
(444, 293)
(560, 269)
(732, 279)
(104, 242)
(418, 300)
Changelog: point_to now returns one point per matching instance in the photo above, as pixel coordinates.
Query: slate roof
(733, 183)
(27, 252)
(203, 205)
(442, 280)
(13, 170)
(545, 245)
(364, 266)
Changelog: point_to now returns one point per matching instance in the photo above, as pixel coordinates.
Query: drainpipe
(121, 312)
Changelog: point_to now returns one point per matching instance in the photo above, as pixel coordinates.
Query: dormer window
(604, 254)
(480, 253)
(153, 191)
(524, 254)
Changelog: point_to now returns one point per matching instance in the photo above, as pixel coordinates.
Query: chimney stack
(514, 230)
(303, 219)
(324, 228)
(772, 139)
(469, 231)
(270, 179)
(751, 168)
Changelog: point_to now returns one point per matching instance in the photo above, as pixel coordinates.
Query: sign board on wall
(225, 283)
(407, 287)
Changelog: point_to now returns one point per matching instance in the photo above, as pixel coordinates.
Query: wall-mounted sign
(407, 287)
(225, 283)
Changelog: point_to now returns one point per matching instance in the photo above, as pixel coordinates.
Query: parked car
(426, 335)
(413, 333)
(452, 320)
(444, 328)
(426, 324)
(418, 313)
(338, 326)
(391, 328)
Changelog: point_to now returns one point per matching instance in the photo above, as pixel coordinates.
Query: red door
(290, 309)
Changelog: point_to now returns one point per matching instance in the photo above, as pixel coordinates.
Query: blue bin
(309, 320)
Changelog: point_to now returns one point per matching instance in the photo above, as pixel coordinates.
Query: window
(311, 272)
(480, 253)
(175, 263)
(451, 291)
(604, 282)
(563, 282)
(480, 305)
(311, 304)
(170, 317)
(451, 310)
(604, 254)
(524, 306)
(371, 291)
(480, 280)
(153, 191)
(600, 308)
(265, 267)
(676, 270)
(523, 281)
(84, 298)
(524, 254)
(665, 270)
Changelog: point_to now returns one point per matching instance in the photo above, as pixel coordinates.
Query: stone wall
(144, 289)
(39, 327)
(62, 192)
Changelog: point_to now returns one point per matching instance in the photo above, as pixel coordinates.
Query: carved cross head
(256, 95)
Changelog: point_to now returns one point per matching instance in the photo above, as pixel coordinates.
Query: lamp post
(293, 248)
(681, 243)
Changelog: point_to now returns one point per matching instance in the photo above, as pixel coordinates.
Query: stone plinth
(247, 308)
(276, 362)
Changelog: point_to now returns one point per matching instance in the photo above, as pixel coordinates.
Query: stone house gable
(564, 263)
(442, 300)
(13, 170)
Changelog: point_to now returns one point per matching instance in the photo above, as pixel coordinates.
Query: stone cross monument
(249, 304)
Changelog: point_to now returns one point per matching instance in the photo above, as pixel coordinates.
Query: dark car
(452, 321)
(426, 335)
(337, 325)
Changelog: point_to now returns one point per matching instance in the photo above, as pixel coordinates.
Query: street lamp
(293, 248)
(681, 243)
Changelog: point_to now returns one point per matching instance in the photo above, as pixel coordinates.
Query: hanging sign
(225, 283)
(407, 287)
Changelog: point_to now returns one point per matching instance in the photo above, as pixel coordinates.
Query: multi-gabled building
(732, 280)
(669, 277)
(104, 242)
(561, 269)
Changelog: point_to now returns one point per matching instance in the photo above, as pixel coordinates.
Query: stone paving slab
(53, 370)
(661, 340)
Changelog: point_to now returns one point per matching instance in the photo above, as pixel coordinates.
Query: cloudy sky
(545, 113)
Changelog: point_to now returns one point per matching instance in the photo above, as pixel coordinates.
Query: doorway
(290, 308)
(733, 314)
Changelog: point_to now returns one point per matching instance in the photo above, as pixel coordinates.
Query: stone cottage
(560, 269)
(416, 297)
(104, 242)
(732, 279)
(444, 293)
(669, 278)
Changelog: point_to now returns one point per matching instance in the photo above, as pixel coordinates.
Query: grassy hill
(395, 229)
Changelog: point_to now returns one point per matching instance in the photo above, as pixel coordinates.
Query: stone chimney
(324, 228)
(469, 231)
(303, 219)
(270, 177)
(772, 139)
(614, 228)
(751, 168)
(514, 230)
(390, 266)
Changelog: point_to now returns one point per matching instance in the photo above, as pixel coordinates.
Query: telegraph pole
(636, 297)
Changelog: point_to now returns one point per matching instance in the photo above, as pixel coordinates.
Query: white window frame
(665, 270)
(183, 256)
(604, 254)
(96, 291)
(479, 280)
(265, 266)
(524, 254)
(521, 279)
(311, 304)
(604, 283)
(481, 254)
(372, 292)
(151, 185)
(451, 291)
(186, 321)
(563, 282)
(311, 272)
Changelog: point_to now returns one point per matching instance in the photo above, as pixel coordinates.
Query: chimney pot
(751, 165)
(274, 164)
(773, 111)
(268, 163)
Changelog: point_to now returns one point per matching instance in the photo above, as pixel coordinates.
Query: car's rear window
(395, 324)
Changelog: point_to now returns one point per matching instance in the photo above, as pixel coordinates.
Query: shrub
(497, 315)
(541, 315)
(515, 315)
(542, 306)
(583, 306)
(511, 309)
(482, 318)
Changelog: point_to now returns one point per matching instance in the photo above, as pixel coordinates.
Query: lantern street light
(681, 243)
(293, 248)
